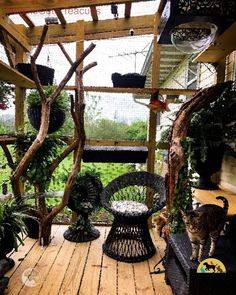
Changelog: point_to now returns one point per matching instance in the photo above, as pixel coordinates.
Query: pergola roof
(22, 22)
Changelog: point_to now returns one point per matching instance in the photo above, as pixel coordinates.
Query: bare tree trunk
(176, 156)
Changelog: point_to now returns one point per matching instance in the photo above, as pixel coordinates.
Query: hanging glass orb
(193, 37)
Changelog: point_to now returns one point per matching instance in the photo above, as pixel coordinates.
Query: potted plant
(12, 226)
(211, 131)
(6, 93)
(84, 198)
(58, 109)
(46, 74)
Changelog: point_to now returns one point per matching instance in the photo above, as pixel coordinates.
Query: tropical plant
(37, 172)
(61, 102)
(12, 214)
(6, 93)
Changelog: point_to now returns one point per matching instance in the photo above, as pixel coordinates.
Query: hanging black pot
(32, 227)
(205, 169)
(130, 80)
(46, 74)
(57, 118)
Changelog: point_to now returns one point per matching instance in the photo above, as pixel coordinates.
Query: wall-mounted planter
(46, 74)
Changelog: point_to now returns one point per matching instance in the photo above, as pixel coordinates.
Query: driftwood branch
(7, 154)
(176, 156)
(45, 115)
(63, 155)
(33, 62)
(72, 70)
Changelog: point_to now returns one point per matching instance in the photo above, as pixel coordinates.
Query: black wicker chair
(129, 239)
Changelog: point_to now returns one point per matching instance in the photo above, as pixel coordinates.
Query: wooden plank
(224, 45)
(54, 278)
(12, 76)
(28, 21)
(158, 280)
(143, 282)
(75, 270)
(117, 34)
(126, 285)
(128, 9)
(116, 143)
(20, 255)
(45, 263)
(16, 283)
(91, 276)
(93, 30)
(94, 13)
(108, 281)
(8, 48)
(61, 17)
(155, 84)
(168, 91)
(43, 5)
(14, 32)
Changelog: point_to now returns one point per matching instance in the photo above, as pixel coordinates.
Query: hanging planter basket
(57, 118)
(46, 74)
(131, 80)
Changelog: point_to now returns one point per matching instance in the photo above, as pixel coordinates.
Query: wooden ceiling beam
(94, 30)
(27, 20)
(15, 32)
(128, 9)
(94, 13)
(60, 17)
(8, 49)
(12, 76)
(19, 6)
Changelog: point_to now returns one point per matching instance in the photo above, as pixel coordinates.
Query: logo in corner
(211, 265)
(30, 277)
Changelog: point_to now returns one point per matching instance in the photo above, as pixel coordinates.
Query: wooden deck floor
(69, 268)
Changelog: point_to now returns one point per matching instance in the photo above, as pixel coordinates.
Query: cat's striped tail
(225, 201)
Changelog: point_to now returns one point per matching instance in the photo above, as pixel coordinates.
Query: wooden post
(155, 84)
(19, 95)
(80, 35)
(152, 115)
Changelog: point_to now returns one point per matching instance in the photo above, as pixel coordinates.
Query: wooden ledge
(209, 197)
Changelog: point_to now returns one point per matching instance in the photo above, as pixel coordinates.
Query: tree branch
(176, 156)
(72, 70)
(33, 62)
(63, 155)
(7, 154)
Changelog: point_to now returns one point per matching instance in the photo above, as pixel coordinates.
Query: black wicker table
(129, 239)
(181, 273)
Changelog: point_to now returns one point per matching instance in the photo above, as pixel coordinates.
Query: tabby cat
(206, 221)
